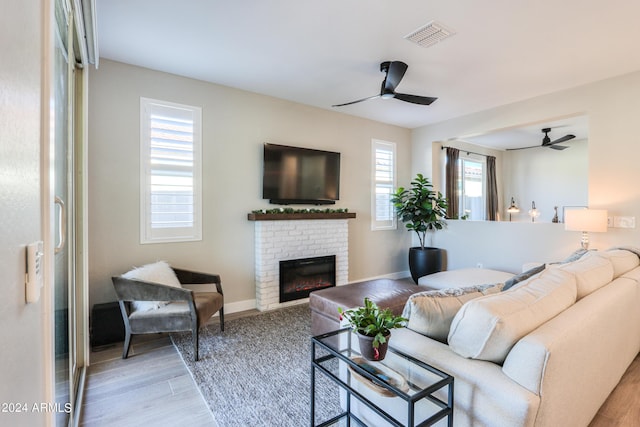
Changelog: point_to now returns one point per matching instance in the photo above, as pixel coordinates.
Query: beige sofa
(546, 352)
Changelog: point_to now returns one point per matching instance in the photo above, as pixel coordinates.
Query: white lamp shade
(586, 220)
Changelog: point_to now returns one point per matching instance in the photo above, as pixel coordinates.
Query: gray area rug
(257, 372)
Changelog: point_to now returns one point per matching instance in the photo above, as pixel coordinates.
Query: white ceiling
(531, 135)
(327, 52)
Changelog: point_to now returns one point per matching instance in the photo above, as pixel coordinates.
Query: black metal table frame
(427, 393)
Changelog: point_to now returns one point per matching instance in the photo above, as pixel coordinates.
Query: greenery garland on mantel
(291, 213)
(297, 211)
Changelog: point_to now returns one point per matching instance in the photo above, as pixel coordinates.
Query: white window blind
(384, 183)
(170, 172)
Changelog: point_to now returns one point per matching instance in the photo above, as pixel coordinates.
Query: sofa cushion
(592, 272)
(622, 261)
(488, 327)
(157, 272)
(430, 313)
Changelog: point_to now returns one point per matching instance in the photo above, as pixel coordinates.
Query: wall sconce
(534, 213)
(513, 208)
(586, 220)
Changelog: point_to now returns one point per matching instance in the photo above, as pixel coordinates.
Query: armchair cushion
(168, 318)
(207, 304)
(158, 272)
(175, 316)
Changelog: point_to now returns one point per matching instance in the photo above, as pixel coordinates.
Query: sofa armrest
(576, 359)
(484, 394)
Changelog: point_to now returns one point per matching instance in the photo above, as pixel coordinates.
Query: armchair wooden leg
(221, 312)
(127, 344)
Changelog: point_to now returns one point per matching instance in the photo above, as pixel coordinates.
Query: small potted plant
(373, 327)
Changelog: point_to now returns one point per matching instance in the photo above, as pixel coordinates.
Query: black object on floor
(107, 326)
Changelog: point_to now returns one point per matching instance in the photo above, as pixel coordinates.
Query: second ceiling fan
(547, 142)
(394, 71)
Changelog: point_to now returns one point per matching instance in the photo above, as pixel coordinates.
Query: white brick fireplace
(282, 240)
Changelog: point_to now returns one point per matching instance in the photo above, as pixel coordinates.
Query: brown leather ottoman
(387, 293)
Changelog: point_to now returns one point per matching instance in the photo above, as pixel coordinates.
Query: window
(170, 172)
(384, 183)
(471, 184)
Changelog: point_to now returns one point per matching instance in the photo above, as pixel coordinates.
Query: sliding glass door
(63, 167)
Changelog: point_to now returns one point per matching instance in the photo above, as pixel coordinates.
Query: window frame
(385, 224)
(148, 233)
(462, 203)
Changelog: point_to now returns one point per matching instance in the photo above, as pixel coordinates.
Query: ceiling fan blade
(415, 99)
(355, 102)
(557, 147)
(562, 139)
(522, 148)
(395, 73)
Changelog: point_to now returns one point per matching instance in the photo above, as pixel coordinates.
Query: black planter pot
(368, 351)
(424, 261)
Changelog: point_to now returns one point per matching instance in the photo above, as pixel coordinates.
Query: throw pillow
(158, 272)
(430, 313)
(576, 255)
(487, 328)
(522, 277)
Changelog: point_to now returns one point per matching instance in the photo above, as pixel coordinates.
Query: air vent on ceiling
(430, 34)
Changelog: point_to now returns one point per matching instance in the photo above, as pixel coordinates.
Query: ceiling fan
(546, 141)
(394, 71)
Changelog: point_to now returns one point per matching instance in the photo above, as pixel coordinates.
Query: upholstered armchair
(178, 308)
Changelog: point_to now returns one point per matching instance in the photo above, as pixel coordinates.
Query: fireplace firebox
(299, 277)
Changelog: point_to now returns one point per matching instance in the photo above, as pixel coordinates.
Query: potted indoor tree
(373, 327)
(423, 210)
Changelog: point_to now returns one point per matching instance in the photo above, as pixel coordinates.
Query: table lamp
(586, 220)
(513, 208)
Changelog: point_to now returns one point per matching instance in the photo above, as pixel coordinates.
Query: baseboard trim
(238, 306)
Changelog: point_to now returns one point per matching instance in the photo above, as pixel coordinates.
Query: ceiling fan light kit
(394, 72)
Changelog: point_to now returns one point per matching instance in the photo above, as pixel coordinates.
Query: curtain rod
(467, 151)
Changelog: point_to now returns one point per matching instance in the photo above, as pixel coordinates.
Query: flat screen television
(294, 175)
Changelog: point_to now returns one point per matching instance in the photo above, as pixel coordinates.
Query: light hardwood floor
(153, 387)
(622, 408)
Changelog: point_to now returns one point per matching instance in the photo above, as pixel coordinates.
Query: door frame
(79, 209)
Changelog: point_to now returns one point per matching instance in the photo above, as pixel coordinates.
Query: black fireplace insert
(299, 277)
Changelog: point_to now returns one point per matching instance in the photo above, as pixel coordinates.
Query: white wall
(22, 354)
(236, 124)
(613, 108)
(548, 177)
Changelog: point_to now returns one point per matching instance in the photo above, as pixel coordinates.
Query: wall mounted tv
(294, 175)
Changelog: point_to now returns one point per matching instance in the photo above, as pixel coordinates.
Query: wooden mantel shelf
(296, 216)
